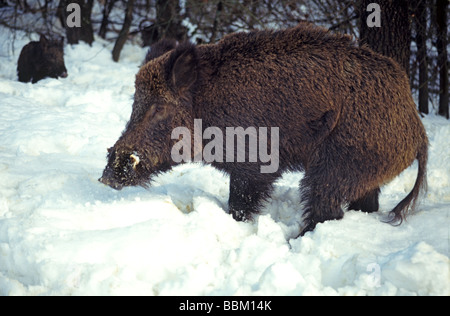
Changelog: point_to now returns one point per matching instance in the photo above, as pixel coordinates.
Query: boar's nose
(64, 75)
(102, 180)
(112, 184)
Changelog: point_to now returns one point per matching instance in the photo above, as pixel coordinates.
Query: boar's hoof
(240, 215)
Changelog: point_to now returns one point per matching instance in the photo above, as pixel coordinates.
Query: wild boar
(344, 114)
(159, 48)
(41, 59)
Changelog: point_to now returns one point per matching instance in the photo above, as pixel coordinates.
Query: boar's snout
(64, 74)
(108, 179)
(112, 184)
(122, 169)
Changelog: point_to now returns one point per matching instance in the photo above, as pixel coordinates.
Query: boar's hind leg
(247, 194)
(368, 203)
(322, 197)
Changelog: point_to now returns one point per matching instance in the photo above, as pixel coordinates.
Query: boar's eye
(155, 109)
(156, 112)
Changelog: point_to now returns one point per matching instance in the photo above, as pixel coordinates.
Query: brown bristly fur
(345, 115)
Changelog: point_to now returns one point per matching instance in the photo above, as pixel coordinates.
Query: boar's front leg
(247, 192)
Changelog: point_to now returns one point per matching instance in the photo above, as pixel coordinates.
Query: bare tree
(420, 23)
(441, 21)
(124, 31)
(168, 20)
(393, 38)
(108, 6)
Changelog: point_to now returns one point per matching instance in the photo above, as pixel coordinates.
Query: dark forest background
(413, 32)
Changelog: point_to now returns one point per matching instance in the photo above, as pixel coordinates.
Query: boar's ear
(159, 49)
(43, 40)
(183, 67)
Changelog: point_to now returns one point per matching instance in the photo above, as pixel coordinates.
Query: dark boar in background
(41, 59)
(345, 114)
(159, 48)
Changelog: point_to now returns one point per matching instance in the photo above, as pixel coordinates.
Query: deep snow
(62, 232)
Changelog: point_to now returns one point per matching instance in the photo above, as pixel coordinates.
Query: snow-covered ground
(62, 232)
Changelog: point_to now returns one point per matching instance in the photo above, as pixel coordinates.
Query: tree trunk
(421, 41)
(84, 33)
(109, 4)
(124, 31)
(393, 38)
(441, 21)
(219, 10)
(168, 20)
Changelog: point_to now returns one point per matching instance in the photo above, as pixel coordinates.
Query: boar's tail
(398, 214)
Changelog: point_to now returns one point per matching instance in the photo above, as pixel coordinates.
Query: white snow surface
(64, 233)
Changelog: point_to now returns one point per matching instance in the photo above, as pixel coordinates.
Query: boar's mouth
(127, 169)
(117, 186)
(108, 179)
